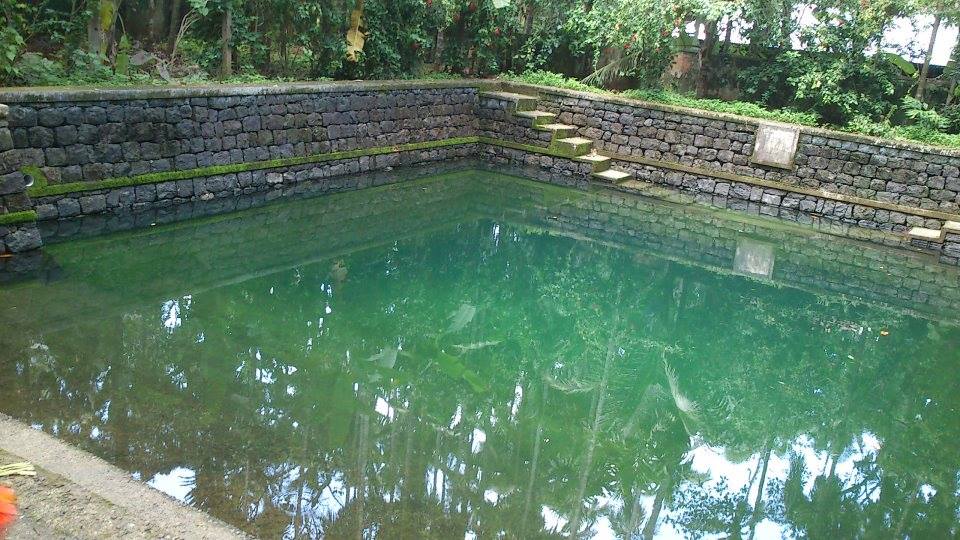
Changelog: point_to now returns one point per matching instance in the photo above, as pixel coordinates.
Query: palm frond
(689, 408)
(613, 69)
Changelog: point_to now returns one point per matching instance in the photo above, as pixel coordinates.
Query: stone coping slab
(103, 488)
(51, 94)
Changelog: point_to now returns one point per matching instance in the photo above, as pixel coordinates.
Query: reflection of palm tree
(535, 460)
(598, 414)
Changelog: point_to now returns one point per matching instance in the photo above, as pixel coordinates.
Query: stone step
(539, 117)
(560, 131)
(934, 235)
(927, 235)
(522, 102)
(574, 146)
(600, 163)
(613, 176)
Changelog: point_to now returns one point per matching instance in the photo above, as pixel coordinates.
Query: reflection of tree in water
(469, 381)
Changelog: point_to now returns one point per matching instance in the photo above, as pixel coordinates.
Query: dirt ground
(77, 495)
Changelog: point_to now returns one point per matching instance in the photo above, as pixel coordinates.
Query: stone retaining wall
(140, 150)
(85, 141)
(903, 174)
(12, 184)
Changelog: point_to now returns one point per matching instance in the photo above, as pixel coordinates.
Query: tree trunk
(100, 26)
(226, 36)
(285, 48)
(528, 19)
(786, 16)
(952, 70)
(651, 527)
(705, 58)
(922, 82)
(175, 20)
(727, 34)
(156, 20)
(438, 50)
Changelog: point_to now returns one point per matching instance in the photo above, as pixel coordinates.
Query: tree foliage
(828, 59)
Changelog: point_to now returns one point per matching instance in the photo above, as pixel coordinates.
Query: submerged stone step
(574, 146)
(657, 191)
(539, 117)
(522, 102)
(613, 176)
(636, 185)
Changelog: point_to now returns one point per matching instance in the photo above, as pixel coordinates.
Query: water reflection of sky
(178, 483)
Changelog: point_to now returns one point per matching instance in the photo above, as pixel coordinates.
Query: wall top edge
(56, 94)
(727, 117)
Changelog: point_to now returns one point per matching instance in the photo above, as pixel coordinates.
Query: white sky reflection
(177, 483)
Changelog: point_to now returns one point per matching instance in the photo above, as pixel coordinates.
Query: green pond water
(474, 356)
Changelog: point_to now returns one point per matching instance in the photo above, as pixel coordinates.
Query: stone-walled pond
(472, 355)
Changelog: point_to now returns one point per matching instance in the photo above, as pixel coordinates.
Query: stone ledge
(733, 177)
(49, 94)
(45, 190)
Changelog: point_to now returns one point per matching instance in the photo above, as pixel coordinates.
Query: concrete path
(78, 495)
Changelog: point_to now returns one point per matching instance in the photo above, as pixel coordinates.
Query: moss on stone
(217, 170)
(545, 150)
(39, 178)
(14, 218)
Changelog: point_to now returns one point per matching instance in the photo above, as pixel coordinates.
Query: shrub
(547, 78)
(33, 69)
(741, 108)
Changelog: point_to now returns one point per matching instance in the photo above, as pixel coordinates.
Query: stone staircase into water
(564, 139)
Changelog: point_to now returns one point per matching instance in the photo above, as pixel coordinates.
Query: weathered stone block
(68, 207)
(93, 204)
(23, 239)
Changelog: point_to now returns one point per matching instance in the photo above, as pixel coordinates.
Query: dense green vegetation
(826, 71)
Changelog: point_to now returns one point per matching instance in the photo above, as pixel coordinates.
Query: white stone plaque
(775, 145)
(754, 258)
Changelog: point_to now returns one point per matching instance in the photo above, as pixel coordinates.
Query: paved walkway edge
(109, 482)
